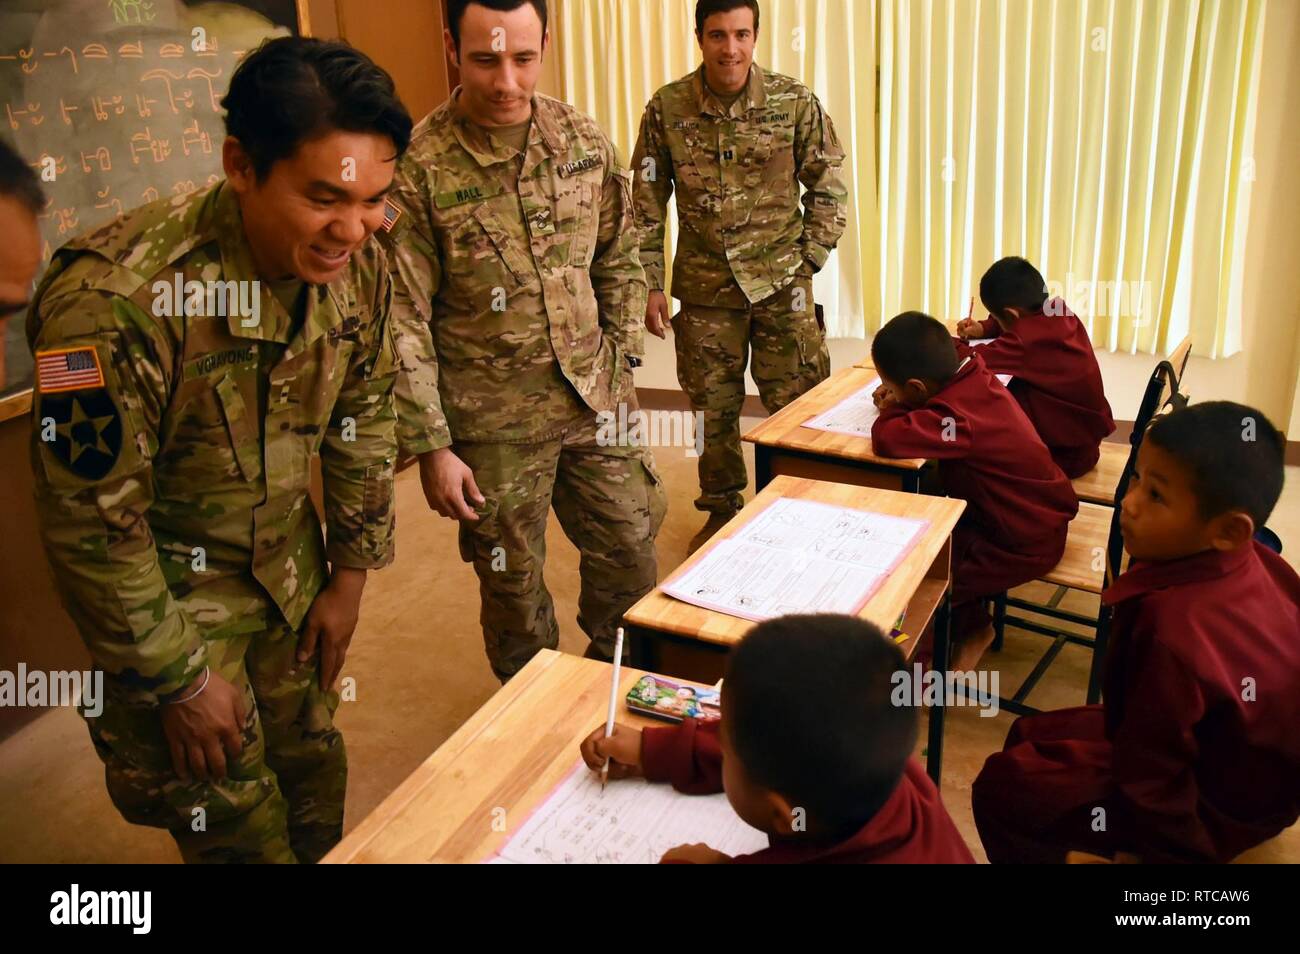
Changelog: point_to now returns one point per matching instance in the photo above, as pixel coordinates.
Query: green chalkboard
(116, 103)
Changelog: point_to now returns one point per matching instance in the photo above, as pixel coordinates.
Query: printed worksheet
(853, 415)
(798, 556)
(631, 822)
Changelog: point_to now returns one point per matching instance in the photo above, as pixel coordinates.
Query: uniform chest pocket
(519, 265)
(577, 215)
(244, 439)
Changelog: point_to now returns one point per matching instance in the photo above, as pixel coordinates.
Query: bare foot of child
(967, 653)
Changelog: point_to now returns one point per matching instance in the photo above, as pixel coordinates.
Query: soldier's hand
(656, 313)
(969, 328)
(623, 748)
(203, 731)
(449, 485)
(331, 621)
(697, 854)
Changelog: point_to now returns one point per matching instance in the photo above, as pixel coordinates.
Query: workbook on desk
(798, 556)
(631, 821)
(857, 413)
(853, 415)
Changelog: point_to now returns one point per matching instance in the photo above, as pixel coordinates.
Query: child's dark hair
(914, 345)
(456, 13)
(810, 716)
(1233, 453)
(292, 89)
(707, 8)
(1012, 283)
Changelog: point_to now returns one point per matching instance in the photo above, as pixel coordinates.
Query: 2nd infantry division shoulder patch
(78, 420)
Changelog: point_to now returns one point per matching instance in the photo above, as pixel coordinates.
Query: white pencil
(613, 700)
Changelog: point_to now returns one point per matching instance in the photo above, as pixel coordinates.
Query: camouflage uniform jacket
(737, 173)
(172, 452)
(525, 269)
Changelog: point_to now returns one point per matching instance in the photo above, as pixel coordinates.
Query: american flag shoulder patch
(68, 369)
(391, 214)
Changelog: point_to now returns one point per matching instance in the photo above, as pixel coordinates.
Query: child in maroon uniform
(1047, 352)
(1195, 754)
(1019, 504)
(810, 750)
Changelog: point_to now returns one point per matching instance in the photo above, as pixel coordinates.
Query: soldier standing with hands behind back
(736, 141)
(513, 241)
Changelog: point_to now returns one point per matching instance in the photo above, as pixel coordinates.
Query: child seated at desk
(1195, 754)
(810, 749)
(1046, 350)
(1018, 503)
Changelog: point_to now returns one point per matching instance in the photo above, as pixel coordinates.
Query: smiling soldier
(173, 448)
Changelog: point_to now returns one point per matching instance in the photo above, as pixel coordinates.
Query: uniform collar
(753, 96)
(546, 138)
(274, 324)
(1201, 567)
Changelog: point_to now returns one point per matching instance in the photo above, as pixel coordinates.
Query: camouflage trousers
(283, 798)
(713, 346)
(609, 501)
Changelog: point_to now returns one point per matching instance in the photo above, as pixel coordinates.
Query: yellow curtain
(1108, 141)
(614, 54)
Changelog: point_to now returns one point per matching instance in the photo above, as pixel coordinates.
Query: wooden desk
(782, 445)
(690, 642)
(509, 755)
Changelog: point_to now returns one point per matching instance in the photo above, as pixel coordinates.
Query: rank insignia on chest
(543, 222)
(347, 329)
(578, 165)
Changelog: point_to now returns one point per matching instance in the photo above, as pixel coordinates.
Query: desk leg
(934, 746)
(762, 467)
(912, 482)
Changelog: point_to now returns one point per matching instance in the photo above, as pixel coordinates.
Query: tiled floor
(420, 672)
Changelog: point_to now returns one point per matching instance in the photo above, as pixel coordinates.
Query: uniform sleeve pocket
(243, 436)
(377, 510)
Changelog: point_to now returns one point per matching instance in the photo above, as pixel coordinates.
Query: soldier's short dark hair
(456, 12)
(914, 345)
(1012, 282)
(292, 89)
(707, 8)
(1233, 454)
(810, 715)
(17, 179)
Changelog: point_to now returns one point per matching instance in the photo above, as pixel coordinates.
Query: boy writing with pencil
(1019, 504)
(1195, 754)
(1047, 352)
(810, 749)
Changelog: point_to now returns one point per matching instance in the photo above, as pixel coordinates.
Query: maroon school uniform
(912, 827)
(1055, 379)
(1195, 754)
(1019, 503)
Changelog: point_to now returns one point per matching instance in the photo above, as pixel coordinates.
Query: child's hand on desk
(623, 749)
(694, 855)
(969, 328)
(882, 397)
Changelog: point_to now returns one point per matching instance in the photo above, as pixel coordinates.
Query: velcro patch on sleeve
(68, 369)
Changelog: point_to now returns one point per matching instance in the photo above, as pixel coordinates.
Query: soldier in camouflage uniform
(735, 141)
(173, 441)
(513, 241)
